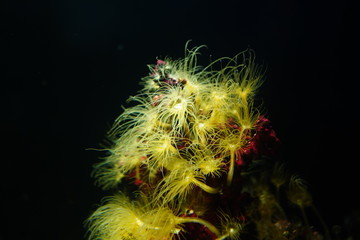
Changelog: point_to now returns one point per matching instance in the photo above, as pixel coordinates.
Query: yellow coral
(122, 219)
(187, 128)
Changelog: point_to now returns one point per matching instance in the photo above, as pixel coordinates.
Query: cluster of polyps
(186, 149)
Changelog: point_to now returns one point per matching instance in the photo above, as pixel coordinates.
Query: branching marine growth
(194, 159)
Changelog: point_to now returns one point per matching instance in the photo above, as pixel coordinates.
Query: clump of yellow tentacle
(186, 148)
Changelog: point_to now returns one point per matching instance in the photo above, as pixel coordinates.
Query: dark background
(68, 66)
